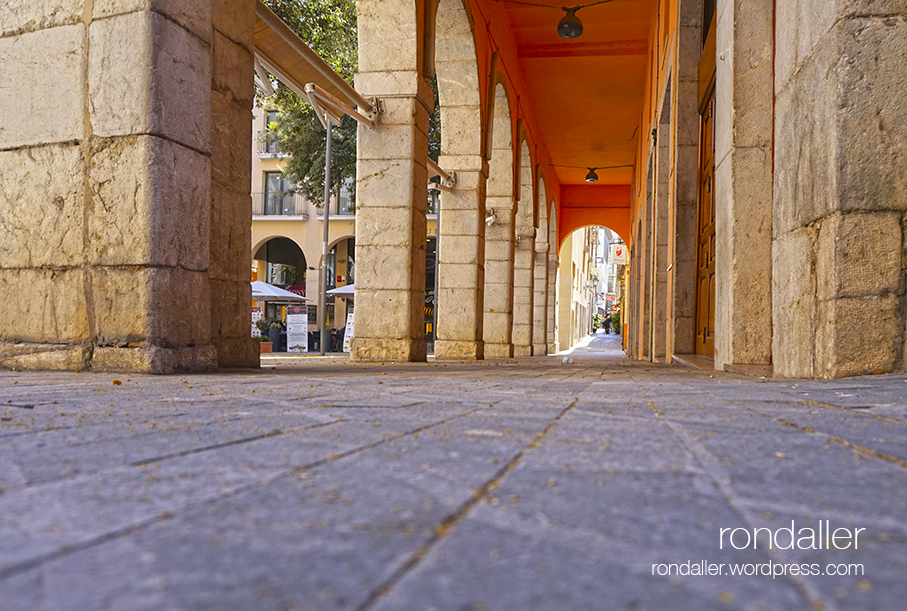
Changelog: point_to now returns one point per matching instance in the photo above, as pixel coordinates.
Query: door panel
(705, 274)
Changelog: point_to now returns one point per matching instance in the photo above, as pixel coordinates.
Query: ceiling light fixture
(569, 26)
(592, 176)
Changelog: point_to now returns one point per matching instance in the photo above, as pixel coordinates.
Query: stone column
(106, 223)
(231, 176)
(840, 190)
(661, 222)
(540, 300)
(743, 182)
(523, 278)
(391, 187)
(684, 179)
(461, 280)
(499, 278)
(552, 299)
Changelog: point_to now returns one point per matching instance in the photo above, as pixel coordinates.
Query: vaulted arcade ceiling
(587, 92)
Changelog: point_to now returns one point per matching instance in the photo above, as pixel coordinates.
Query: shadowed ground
(520, 485)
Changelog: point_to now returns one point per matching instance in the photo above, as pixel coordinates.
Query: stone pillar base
(46, 357)
(498, 351)
(522, 350)
(400, 350)
(238, 353)
(154, 360)
(451, 350)
(539, 350)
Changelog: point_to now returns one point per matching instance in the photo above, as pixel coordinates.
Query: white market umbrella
(262, 291)
(343, 290)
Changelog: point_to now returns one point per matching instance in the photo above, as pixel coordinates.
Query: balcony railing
(277, 204)
(267, 145)
(341, 209)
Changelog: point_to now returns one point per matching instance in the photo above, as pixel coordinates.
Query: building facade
(749, 153)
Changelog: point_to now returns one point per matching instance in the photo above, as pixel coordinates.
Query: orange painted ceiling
(587, 92)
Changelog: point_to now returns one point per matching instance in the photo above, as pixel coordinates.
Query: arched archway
(581, 283)
(461, 244)
(280, 261)
(499, 237)
(524, 257)
(341, 268)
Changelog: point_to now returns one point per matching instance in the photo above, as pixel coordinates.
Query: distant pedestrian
(606, 324)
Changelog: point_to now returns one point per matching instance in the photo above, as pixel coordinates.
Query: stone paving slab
(524, 484)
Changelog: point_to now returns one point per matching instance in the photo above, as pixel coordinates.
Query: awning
(290, 59)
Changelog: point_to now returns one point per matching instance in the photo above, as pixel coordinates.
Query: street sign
(618, 254)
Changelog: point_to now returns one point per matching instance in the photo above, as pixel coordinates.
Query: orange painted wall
(605, 205)
(492, 35)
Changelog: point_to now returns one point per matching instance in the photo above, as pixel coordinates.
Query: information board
(297, 329)
(348, 333)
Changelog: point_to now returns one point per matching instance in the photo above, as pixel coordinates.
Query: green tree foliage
(329, 28)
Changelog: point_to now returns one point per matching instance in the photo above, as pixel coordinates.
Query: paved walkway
(522, 485)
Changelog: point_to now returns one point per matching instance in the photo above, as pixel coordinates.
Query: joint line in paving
(450, 522)
(847, 444)
(226, 444)
(712, 469)
(166, 515)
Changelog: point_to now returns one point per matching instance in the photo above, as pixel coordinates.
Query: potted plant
(265, 344)
(274, 332)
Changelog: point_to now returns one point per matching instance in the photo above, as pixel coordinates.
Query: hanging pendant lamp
(570, 26)
(591, 176)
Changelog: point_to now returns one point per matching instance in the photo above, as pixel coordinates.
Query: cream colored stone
(42, 86)
(462, 249)
(47, 357)
(44, 306)
(231, 142)
(460, 130)
(379, 51)
(458, 81)
(235, 19)
(393, 318)
(452, 350)
(154, 359)
(383, 178)
(194, 15)
(498, 298)
(230, 315)
(793, 305)
(402, 350)
(864, 252)
(150, 307)
(233, 71)
(462, 277)
(875, 345)
(147, 75)
(230, 234)
(150, 204)
(21, 16)
(42, 197)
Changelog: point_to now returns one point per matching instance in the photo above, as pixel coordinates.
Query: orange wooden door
(705, 275)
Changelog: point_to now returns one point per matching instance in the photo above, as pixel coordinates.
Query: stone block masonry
(840, 188)
(119, 199)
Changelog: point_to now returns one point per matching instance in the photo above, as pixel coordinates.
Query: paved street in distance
(525, 484)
